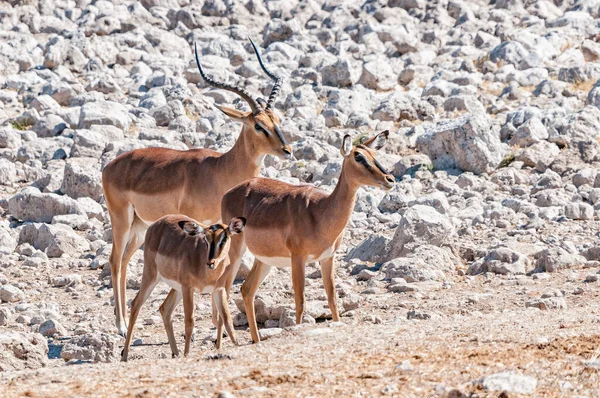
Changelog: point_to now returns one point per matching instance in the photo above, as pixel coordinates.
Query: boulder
(425, 263)
(468, 143)
(509, 382)
(19, 351)
(378, 75)
(509, 52)
(51, 328)
(11, 294)
(579, 211)
(373, 249)
(420, 225)
(104, 113)
(529, 133)
(94, 347)
(6, 239)
(343, 73)
(501, 260)
(32, 205)
(80, 182)
(55, 239)
(555, 259)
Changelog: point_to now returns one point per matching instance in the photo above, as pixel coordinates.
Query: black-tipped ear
(192, 229)
(378, 140)
(262, 102)
(237, 225)
(346, 148)
(234, 114)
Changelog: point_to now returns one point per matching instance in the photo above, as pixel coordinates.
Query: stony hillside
(477, 273)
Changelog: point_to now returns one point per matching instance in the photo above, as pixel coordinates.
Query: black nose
(390, 179)
(286, 151)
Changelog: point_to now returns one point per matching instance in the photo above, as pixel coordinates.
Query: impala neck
(340, 204)
(243, 160)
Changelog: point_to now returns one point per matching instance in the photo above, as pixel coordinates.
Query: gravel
(493, 110)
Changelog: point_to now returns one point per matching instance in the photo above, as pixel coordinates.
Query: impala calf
(188, 257)
(145, 184)
(290, 225)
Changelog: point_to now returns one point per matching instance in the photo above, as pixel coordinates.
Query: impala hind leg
(166, 311)
(121, 220)
(257, 275)
(298, 274)
(188, 314)
(137, 232)
(149, 282)
(328, 272)
(220, 300)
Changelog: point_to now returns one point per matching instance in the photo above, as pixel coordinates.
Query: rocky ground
(477, 275)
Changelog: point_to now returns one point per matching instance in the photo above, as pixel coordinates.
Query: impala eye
(259, 128)
(359, 158)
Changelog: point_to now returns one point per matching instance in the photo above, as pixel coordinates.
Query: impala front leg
(220, 300)
(328, 272)
(188, 315)
(298, 273)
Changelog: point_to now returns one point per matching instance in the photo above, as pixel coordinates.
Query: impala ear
(236, 225)
(192, 229)
(346, 148)
(234, 114)
(378, 140)
(261, 101)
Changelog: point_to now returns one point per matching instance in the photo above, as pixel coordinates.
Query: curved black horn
(256, 108)
(277, 79)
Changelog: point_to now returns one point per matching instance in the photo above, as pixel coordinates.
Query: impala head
(217, 236)
(361, 163)
(261, 122)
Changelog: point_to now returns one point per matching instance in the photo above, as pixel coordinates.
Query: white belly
(326, 254)
(285, 262)
(177, 286)
(277, 262)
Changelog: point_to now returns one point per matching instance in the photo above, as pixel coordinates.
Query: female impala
(145, 184)
(187, 257)
(289, 225)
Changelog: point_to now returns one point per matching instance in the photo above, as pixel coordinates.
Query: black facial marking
(360, 158)
(380, 167)
(222, 239)
(280, 135)
(260, 128)
(211, 251)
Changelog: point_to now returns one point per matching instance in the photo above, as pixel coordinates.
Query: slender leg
(217, 320)
(121, 223)
(236, 252)
(166, 311)
(328, 271)
(149, 282)
(257, 275)
(188, 313)
(215, 312)
(298, 272)
(136, 239)
(220, 299)
(219, 332)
